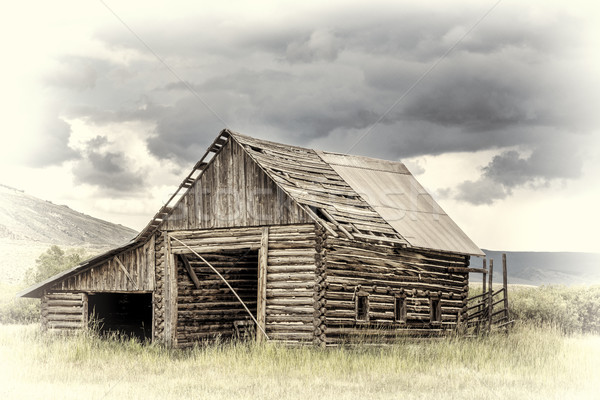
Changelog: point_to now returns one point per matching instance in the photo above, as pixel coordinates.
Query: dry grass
(529, 363)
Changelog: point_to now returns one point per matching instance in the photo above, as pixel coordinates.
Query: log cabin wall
(233, 191)
(383, 280)
(64, 305)
(290, 284)
(64, 311)
(209, 310)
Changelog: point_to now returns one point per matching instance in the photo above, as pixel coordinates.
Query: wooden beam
(190, 270)
(505, 284)
(261, 298)
(467, 269)
(213, 249)
(126, 273)
(491, 294)
(320, 221)
(337, 224)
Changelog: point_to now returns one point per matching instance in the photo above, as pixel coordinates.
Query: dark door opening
(211, 310)
(128, 314)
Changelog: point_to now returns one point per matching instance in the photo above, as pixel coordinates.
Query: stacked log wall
(209, 311)
(384, 273)
(291, 278)
(64, 312)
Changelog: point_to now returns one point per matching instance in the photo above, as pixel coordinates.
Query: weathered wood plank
(263, 262)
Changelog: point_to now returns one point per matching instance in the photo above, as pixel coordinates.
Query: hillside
(544, 268)
(29, 225)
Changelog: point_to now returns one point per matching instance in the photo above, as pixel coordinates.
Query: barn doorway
(128, 314)
(206, 307)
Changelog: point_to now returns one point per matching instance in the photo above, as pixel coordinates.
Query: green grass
(572, 309)
(531, 362)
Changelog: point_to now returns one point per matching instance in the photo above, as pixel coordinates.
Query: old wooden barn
(321, 247)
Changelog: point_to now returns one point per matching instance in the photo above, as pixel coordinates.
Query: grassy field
(530, 363)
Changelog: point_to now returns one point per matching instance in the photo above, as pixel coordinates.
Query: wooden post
(170, 285)
(261, 296)
(85, 316)
(490, 297)
(153, 316)
(44, 311)
(484, 275)
(505, 284)
(483, 298)
(173, 296)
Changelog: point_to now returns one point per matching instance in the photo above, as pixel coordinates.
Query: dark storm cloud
(324, 79)
(183, 132)
(51, 146)
(107, 169)
(510, 170)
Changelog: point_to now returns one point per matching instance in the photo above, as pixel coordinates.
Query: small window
(400, 309)
(436, 310)
(362, 307)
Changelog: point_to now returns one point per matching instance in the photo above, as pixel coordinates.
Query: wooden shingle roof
(325, 195)
(360, 197)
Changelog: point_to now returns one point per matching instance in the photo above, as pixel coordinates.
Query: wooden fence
(489, 310)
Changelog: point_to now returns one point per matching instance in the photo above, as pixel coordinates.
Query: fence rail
(489, 310)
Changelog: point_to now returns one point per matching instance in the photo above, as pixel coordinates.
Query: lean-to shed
(321, 247)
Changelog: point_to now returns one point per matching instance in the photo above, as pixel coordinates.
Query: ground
(529, 363)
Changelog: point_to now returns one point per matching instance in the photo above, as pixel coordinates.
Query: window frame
(435, 310)
(400, 312)
(357, 300)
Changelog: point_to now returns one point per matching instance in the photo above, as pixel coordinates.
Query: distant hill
(543, 268)
(29, 225)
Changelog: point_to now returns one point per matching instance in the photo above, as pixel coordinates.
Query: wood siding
(64, 312)
(210, 310)
(233, 191)
(383, 274)
(132, 270)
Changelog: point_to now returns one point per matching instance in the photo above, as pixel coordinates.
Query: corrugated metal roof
(402, 202)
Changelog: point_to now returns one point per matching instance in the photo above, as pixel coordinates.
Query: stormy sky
(493, 105)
